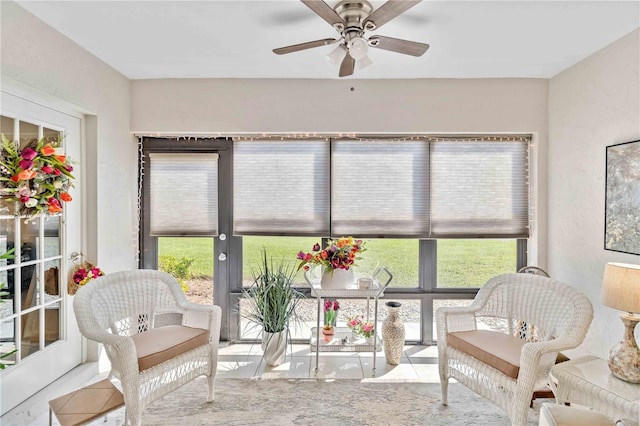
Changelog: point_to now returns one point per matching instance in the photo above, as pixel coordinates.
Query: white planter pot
(274, 347)
(336, 279)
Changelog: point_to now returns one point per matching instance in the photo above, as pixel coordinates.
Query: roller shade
(479, 189)
(281, 187)
(183, 194)
(380, 188)
(422, 187)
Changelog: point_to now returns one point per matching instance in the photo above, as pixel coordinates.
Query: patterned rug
(323, 402)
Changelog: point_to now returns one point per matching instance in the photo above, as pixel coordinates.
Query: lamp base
(624, 357)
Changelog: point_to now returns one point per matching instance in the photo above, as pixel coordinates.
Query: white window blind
(479, 189)
(281, 187)
(380, 188)
(183, 194)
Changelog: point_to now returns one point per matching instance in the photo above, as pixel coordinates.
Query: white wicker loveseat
(496, 364)
(155, 339)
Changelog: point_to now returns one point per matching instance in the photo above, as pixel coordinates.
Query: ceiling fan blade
(325, 11)
(347, 66)
(387, 12)
(304, 46)
(397, 45)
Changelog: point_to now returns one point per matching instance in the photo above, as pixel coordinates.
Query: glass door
(185, 219)
(39, 338)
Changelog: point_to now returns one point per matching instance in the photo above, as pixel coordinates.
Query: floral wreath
(38, 177)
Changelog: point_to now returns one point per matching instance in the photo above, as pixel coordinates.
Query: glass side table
(588, 381)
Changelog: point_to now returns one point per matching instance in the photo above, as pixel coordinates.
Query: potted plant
(331, 308)
(271, 304)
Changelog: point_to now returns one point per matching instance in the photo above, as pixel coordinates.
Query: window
(470, 263)
(191, 206)
(443, 214)
(281, 187)
(277, 248)
(380, 188)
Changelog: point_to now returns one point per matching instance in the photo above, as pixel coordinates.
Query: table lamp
(621, 291)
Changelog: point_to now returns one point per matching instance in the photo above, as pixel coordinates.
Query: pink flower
(53, 202)
(316, 247)
(69, 168)
(96, 272)
(353, 322)
(57, 172)
(336, 305)
(25, 164)
(29, 154)
(47, 169)
(24, 199)
(79, 275)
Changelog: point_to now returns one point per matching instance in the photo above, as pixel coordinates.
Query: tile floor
(418, 364)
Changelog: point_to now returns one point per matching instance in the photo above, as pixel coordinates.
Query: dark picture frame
(622, 198)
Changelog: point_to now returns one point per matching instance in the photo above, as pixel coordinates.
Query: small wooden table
(84, 405)
(588, 381)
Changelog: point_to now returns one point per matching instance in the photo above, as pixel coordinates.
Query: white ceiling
(234, 39)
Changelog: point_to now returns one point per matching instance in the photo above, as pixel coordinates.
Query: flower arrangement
(331, 308)
(82, 274)
(366, 329)
(339, 254)
(353, 323)
(38, 177)
(359, 326)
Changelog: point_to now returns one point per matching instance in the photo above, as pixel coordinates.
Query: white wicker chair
(560, 313)
(117, 306)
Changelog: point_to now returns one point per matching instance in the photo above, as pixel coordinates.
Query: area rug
(323, 402)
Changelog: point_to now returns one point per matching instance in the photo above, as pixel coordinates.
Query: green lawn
(461, 263)
(198, 248)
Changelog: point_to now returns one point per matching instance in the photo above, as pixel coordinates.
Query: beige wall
(63, 75)
(234, 106)
(593, 104)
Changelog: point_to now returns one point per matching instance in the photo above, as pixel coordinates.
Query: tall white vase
(274, 347)
(336, 279)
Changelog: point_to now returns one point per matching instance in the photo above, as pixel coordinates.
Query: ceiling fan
(352, 18)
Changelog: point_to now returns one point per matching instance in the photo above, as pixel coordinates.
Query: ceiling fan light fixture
(337, 55)
(363, 63)
(358, 48)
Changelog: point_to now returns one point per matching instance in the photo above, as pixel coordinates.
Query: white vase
(274, 347)
(336, 279)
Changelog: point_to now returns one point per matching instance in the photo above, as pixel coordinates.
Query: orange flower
(61, 158)
(65, 196)
(26, 174)
(48, 150)
(54, 209)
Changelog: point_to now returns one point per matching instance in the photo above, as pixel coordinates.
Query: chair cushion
(499, 350)
(560, 415)
(158, 345)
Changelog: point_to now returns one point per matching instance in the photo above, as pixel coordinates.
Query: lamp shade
(621, 287)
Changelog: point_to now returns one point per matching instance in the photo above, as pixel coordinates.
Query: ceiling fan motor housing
(353, 13)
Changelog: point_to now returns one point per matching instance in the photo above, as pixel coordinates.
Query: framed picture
(622, 199)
